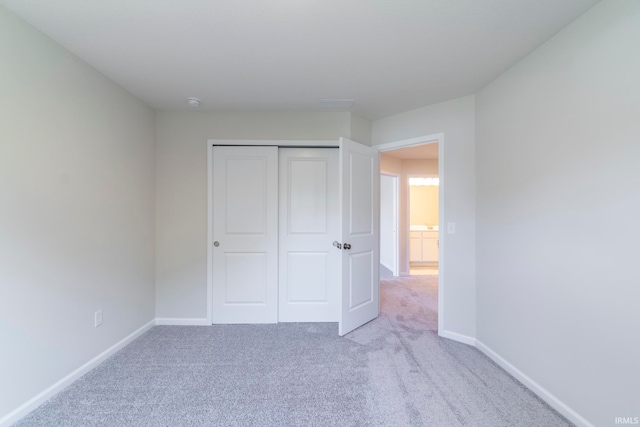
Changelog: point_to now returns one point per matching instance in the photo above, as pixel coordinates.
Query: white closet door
(245, 234)
(309, 281)
(360, 193)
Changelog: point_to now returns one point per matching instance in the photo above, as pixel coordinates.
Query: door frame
(240, 142)
(426, 139)
(396, 208)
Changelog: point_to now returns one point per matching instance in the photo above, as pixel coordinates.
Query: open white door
(360, 200)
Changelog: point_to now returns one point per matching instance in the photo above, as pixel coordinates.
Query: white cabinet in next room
(423, 246)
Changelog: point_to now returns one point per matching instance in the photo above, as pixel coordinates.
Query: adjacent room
(319, 213)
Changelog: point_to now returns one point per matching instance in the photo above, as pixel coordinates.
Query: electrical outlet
(98, 318)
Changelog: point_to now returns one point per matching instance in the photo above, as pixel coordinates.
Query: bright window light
(434, 182)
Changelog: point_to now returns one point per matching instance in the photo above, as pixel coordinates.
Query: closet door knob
(216, 243)
(346, 246)
(337, 245)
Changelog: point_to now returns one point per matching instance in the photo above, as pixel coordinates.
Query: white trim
(439, 138)
(387, 266)
(542, 392)
(275, 142)
(396, 272)
(210, 144)
(31, 404)
(436, 137)
(464, 339)
(164, 321)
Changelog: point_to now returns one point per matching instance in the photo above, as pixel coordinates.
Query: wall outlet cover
(98, 318)
(451, 228)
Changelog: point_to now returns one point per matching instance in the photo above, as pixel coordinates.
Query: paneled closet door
(245, 234)
(309, 279)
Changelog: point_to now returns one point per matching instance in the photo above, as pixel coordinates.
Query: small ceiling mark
(193, 102)
(336, 103)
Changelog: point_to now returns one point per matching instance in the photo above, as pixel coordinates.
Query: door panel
(360, 216)
(307, 277)
(360, 279)
(245, 225)
(360, 204)
(307, 194)
(309, 281)
(245, 274)
(245, 196)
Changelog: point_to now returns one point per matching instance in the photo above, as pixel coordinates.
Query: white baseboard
(543, 393)
(181, 321)
(465, 339)
(48, 393)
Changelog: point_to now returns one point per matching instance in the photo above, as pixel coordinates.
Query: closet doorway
(293, 233)
(278, 219)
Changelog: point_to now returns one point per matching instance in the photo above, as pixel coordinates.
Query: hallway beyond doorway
(431, 270)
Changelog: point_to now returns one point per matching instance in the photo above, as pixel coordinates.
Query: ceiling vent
(336, 103)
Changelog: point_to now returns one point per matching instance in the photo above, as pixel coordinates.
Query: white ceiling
(284, 55)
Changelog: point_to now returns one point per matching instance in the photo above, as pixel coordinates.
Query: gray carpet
(394, 371)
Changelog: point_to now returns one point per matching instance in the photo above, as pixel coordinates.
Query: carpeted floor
(394, 371)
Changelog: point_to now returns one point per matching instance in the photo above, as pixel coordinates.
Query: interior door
(309, 275)
(245, 234)
(360, 205)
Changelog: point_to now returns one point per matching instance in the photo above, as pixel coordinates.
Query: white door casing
(389, 222)
(309, 273)
(360, 210)
(245, 234)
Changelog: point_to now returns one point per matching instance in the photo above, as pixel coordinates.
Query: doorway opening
(420, 246)
(423, 216)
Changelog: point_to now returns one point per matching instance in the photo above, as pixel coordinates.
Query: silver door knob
(216, 243)
(346, 246)
(337, 245)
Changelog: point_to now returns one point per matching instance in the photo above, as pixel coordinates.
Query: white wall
(76, 212)
(455, 119)
(181, 197)
(360, 129)
(558, 160)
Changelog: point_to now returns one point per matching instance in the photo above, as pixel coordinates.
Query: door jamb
(240, 142)
(439, 138)
(397, 177)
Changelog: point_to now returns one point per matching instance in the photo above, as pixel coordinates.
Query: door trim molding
(276, 142)
(240, 142)
(397, 177)
(426, 139)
